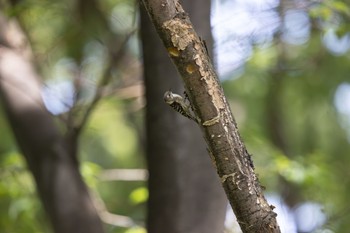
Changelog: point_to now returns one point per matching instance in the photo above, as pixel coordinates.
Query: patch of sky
(296, 27)
(309, 216)
(237, 26)
(58, 97)
(342, 99)
(306, 217)
(59, 92)
(342, 104)
(285, 216)
(337, 45)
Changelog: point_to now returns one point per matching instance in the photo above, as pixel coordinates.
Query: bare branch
(227, 150)
(110, 218)
(124, 175)
(115, 59)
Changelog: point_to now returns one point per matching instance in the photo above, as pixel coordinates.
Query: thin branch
(110, 218)
(115, 59)
(124, 175)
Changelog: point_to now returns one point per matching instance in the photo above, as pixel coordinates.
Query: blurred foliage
(298, 83)
(20, 207)
(136, 230)
(139, 195)
(74, 44)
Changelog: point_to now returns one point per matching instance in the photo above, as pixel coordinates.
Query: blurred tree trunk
(275, 116)
(185, 193)
(49, 155)
(226, 148)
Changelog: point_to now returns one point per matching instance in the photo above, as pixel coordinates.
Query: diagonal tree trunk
(227, 150)
(60, 186)
(185, 193)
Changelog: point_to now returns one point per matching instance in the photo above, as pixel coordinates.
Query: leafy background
(300, 81)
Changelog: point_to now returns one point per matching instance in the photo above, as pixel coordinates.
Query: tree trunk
(185, 193)
(60, 186)
(227, 150)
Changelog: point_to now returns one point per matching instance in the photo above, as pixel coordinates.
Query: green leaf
(136, 230)
(341, 7)
(322, 11)
(139, 195)
(90, 171)
(19, 206)
(342, 30)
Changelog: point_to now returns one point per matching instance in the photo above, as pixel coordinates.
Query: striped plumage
(177, 102)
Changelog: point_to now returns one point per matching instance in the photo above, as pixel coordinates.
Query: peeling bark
(227, 150)
(184, 191)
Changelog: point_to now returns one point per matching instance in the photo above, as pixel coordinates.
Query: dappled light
(284, 67)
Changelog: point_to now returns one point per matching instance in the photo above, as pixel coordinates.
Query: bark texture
(185, 193)
(60, 186)
(227, 150)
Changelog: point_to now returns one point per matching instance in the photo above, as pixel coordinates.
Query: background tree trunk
(185, 193)
(60, 186)
(227, 150)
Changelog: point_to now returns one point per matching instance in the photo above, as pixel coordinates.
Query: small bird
(178, 103)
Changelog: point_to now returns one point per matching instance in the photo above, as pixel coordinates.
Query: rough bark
(185, 193)
(227, 150)
(60, 186)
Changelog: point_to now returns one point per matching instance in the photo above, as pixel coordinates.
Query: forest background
(284, 67)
